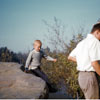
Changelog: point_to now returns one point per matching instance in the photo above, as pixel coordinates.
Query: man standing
(87, 55)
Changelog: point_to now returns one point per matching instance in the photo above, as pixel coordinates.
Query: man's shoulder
(81, 42)
(88, 42)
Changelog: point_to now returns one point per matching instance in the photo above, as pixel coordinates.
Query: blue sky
(21, 20)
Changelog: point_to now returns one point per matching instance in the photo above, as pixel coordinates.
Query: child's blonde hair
(38, 41)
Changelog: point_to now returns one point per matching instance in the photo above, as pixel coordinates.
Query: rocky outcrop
(16, 84)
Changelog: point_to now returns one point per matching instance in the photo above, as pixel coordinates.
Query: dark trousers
(38, 72)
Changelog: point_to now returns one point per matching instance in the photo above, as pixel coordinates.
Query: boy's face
(37, 46)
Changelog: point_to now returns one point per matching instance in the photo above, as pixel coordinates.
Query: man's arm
(72, 58)
(96, 66)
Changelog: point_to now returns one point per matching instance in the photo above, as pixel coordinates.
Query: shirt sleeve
(95, 52)
(73, 53)
(28, 60)
(47, 57)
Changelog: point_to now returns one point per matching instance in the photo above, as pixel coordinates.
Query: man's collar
(91, 36)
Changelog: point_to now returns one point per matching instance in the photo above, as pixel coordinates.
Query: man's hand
(55, 60)
(71, 58)
(96, 66)
(26, 70)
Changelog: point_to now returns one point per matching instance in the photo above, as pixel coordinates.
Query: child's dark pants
(38, 72)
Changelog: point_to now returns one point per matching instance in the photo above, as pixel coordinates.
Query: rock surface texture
(16, 84)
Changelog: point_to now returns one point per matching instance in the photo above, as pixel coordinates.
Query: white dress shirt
(87, 51)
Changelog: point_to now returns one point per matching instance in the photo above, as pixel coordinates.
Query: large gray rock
(15, 84)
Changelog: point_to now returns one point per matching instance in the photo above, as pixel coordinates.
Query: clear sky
(21, 20)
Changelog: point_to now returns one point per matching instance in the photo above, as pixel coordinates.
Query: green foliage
(9, 56)
(64, 69)
(5, 55)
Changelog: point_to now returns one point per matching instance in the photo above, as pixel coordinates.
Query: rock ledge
(15, 84)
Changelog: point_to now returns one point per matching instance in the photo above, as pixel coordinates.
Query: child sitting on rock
(33, 62)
